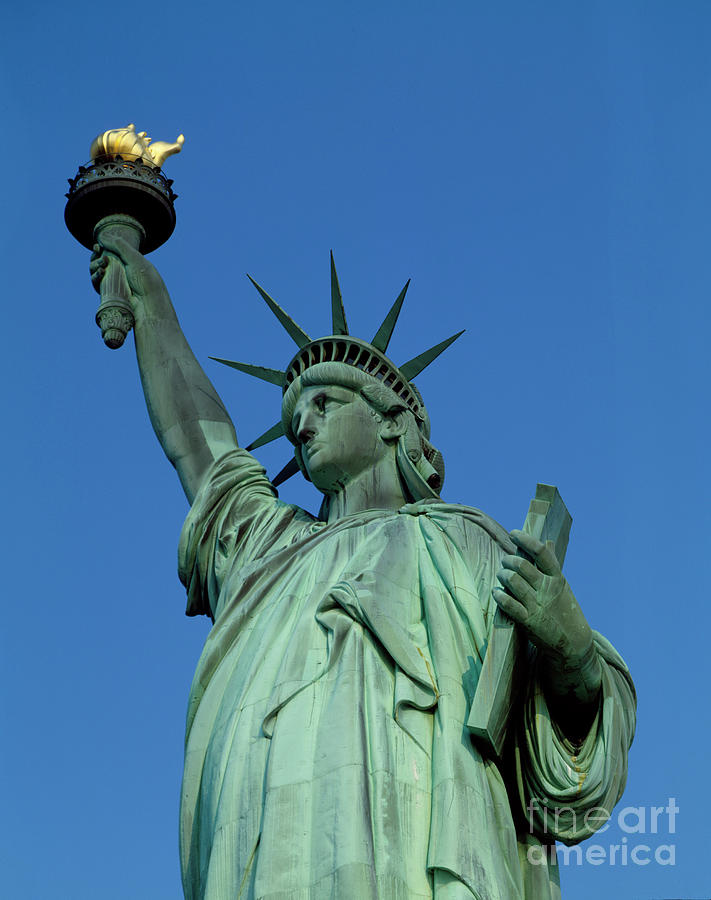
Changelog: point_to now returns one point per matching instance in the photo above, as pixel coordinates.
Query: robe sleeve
(235, 518)
(568, 791)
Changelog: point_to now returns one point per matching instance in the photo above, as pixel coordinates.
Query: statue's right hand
(143, 278)
(97, 267)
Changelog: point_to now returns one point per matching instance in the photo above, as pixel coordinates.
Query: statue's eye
(320, 402)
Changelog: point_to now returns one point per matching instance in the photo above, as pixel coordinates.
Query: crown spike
(276, 431)
(412, 368)
(385, 332)
(273, 376)
(338, 313)
(295, 332)
(291, 468)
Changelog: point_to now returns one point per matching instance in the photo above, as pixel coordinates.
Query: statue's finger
(547, 561)
(509, 605)
(527, 542)
(526, 569)
(97, 275)
(517, 586)
(125, 252)
(542, 554)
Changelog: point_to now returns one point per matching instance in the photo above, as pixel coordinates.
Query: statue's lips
(311, 448)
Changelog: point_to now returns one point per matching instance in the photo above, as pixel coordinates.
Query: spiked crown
(341, 347)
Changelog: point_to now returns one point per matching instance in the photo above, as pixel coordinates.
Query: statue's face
(339, 435)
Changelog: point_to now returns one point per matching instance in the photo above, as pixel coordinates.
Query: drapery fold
(327, 752)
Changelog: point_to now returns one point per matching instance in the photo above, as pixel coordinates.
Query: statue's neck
(376, 488)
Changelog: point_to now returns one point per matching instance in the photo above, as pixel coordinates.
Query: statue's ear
(393, 426)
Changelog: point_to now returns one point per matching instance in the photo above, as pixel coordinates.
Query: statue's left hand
(536, 595)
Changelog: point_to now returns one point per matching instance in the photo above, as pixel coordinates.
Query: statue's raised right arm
(186, 411)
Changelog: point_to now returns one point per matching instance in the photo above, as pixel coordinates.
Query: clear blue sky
(541, 172)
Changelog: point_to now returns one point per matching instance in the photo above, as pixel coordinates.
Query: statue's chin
(326, 478)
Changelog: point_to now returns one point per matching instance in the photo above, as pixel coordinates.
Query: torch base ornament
(115, 323)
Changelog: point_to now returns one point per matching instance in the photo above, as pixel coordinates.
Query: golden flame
(126, 143)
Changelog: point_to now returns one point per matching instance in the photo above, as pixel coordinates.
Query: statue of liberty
(328, 752)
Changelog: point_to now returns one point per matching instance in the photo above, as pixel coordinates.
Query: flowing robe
(327, 751)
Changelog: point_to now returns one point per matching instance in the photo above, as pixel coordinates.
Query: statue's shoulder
(450, 516)
(236, 489)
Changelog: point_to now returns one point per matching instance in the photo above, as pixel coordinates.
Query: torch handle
(114, 316)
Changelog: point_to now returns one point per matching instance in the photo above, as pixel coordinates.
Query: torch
(122, 192)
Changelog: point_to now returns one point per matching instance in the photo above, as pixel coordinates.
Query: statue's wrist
(576, 674)
(572, 690)
(588, 669)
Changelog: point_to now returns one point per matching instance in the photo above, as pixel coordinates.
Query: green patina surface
(329, 749)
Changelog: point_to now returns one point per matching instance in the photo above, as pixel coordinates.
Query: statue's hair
(420, 465)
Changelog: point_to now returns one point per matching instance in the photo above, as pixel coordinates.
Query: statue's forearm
(186, 412)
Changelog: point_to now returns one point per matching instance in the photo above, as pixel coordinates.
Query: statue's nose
(306, 429)
(305, 434)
